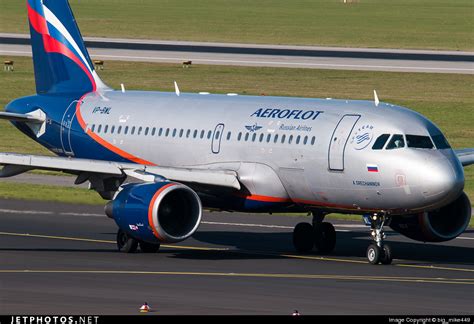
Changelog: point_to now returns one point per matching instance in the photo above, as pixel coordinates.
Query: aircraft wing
(14, 164)
(466, 156)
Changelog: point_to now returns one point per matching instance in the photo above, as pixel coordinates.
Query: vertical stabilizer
(61, 61)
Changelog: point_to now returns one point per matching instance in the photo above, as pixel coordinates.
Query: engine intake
(166, 212)
(440, 225)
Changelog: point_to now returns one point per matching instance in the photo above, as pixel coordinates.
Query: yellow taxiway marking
(457, 281)
(293, 256)
(106, 241)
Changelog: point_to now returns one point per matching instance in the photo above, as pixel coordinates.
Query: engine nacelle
(441, 225)
(164, 212)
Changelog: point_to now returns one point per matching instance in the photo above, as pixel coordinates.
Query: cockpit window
(396, 142)
(418, 141)
(440, 142)
(380, 142)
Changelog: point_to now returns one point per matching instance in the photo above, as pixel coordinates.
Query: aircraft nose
(443, 179)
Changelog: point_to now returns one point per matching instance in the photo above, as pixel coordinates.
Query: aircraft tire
(387, 255)
(146, 247)
(374, 253)
(126, 243)
(303, 237)
(325, 240)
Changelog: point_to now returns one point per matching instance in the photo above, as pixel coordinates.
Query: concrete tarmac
(62, 259)
(262, 55)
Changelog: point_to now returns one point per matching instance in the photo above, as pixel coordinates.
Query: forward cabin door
(339, 140)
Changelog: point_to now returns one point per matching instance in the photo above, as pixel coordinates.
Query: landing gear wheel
(374, 253)
(325, 240)
(146, 247)
(126, 243)
(387, 255)
(303, 237)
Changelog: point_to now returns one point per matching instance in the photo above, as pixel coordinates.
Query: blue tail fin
(61, 62)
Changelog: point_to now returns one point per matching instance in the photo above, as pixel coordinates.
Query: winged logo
(253, 128)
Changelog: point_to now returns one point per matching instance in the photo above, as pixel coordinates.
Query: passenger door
(339, 140)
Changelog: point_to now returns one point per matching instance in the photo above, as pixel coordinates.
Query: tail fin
(61, 61)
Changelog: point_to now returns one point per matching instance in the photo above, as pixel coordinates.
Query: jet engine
(164, 212)
(439, 225)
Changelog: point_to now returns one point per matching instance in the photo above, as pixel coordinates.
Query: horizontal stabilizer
(30, 118)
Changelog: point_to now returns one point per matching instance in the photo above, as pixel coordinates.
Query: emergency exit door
(216, 138)
(339, 139)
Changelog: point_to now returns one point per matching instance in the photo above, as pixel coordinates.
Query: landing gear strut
(320, 235)
(378, 252)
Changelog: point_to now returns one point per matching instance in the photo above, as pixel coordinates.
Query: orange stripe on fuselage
(103, 142)
(150, 210)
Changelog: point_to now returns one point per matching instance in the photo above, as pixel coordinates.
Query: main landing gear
(320, 235)
(378, 252)
(127, 244)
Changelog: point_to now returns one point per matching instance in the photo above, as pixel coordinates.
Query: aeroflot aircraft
(234, 153)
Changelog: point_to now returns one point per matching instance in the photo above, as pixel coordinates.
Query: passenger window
(217, 135)
(139, 130)
(246, 137)
(298, 139)
(153, 131)
(239, 137)
(209, 134)
(181, 132)
(133, 130)
(126, 130)
(261, 137)
(418, 141)
(195, 133)
(167, 132)
(440, 142)
(290, 139)
(380, 142)
(99, 128)
(275, 139)
(93, 127)
(254, 136)
(188, 132)
(160, 131)
(313, 139)
(106, 128)
(283, 137)
(112, 129)
(269, 137)
(305, 140)
(174, 132)
(119, 130)
(396, 142)
(228, 136)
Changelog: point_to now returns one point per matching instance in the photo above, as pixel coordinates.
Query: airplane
(188, 152)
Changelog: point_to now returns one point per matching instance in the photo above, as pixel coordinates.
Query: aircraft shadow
(349, 245)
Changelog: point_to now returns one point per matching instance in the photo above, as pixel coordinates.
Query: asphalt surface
(262, 55)
(62, 259)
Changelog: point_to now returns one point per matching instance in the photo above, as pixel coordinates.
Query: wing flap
(18, 163)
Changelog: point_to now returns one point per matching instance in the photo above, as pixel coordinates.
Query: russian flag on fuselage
(372, 168)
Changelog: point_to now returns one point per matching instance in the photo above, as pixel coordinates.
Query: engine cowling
(165, 212)
(441, 225)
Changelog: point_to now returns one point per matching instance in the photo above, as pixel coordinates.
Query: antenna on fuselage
(176, 89)
(376, 99)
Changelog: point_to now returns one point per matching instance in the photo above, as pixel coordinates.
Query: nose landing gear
(378, 252)
(320, 235)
